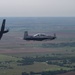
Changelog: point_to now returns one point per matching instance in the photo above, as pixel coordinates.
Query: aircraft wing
(6, 31)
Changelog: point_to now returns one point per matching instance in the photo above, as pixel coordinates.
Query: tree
(24, 73)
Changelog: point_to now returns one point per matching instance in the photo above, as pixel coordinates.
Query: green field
(9, 64)
(39, 56)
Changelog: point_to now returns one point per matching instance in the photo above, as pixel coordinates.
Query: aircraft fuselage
(38, 37)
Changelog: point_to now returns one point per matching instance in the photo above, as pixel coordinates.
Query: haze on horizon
(37, 8)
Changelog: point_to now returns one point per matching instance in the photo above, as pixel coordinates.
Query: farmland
(18, 57)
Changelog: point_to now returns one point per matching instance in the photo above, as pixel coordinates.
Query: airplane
(2, 29)
(38, 37)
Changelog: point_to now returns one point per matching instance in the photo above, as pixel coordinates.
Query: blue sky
(37, 8)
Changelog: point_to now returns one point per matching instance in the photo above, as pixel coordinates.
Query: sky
(37, 8)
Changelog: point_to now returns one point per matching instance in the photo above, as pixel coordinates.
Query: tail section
(54, 35)
(2, 29)
(25, 34)
(3, 25)
(6, 31)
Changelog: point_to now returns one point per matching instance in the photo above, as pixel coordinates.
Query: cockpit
(39, 34)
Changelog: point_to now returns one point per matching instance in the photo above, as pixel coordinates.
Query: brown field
(69, 73)
(14, 43)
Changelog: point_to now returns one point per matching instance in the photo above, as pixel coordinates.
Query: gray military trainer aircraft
(38, 37)
(2, 31)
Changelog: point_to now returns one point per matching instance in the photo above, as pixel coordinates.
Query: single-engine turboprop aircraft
(2, 31)
(38, 37)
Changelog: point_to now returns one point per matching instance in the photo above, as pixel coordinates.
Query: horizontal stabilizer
(6, 31)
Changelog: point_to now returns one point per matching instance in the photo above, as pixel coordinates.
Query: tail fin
(2, 29)
(54, 35)
(3, 25)
(25, 34)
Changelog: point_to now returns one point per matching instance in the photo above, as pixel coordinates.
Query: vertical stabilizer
(3, 25)
(3, 29)
(54, 35)
(25, 34)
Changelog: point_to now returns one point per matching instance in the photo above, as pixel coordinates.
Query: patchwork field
(18, 56)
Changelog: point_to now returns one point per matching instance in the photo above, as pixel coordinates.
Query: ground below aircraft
(2, 31)
(38, 37)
